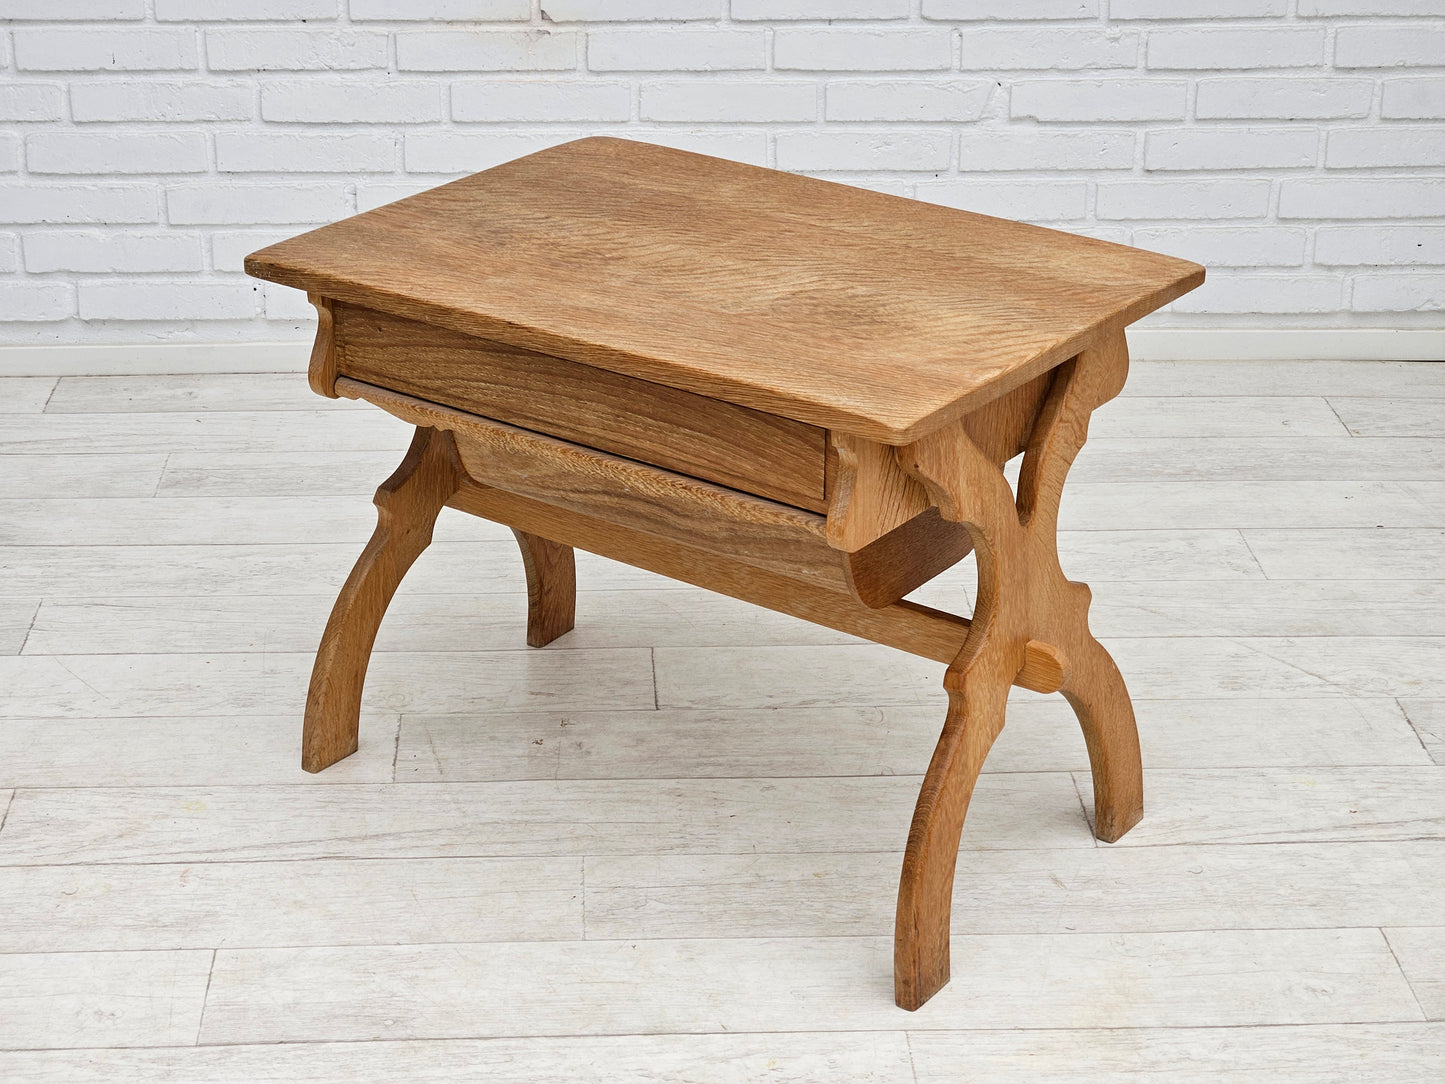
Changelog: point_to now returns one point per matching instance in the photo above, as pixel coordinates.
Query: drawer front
(666, 427)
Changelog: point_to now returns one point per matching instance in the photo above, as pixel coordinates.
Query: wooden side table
(793, 392)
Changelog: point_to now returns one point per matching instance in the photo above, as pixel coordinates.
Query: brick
(737, 146)
(1227, 246)
(1386, 197)
(485, 50)
(284, 303)
(1197, 9)
(1379, 245)
(1249, 293)
(1413, 99)
(295, 50)
(229, 248)
(1231, 148)
(634, 11)
(108, 203)
(111, 101)
(783, 10)
(69, 50)
(1370, 7)
(915, 100)
(288, 152)
(729, 100)
(965, 10)
(113, 251)
(1027, 201)
(862, 50)
(1132, 200)
(859, 150)
(371, 196)
(116, 152)
(1399, 293)
(1356, 148)
(1054, 47)
(1283, 98)
(1243, 47)
(225, 11)
(357, 102)
(1389, 46)
(73, 10)
(999, 149)
(676, 50)
(1098, 100)
(9, 153)
(36, 301)
(538, 100)
(31, 102)
(468, 152)
(222, 204)
(441, 10)
(150, 299)
(9, 253)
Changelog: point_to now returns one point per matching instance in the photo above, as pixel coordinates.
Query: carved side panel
(322, 373)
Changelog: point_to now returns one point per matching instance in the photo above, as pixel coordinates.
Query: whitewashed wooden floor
(666, 847)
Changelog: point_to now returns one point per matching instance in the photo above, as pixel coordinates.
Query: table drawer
(691, 434)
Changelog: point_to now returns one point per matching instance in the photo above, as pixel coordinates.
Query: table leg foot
(551, 587)
(1095, 690)
(407, 505)
(977, 694)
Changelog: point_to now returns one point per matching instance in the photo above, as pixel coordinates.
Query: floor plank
(1041, 735)
(39, 476)
(355, 472)
(1421, 952)
(517, 819)
(1428, 719)
(1271, 608)
(414, 622)
(151, 751)
(1196, 505)
(1292, 1054)
(1234, 417)
(1263, 459)
(76, 999)
(24, 394)
(1409, 417)
(1280, 805)
(281, 431)
(1376, 379)
(188, 393)
(159, 521)
(1129, 980)
(17, 615)
(1364, 555)
(1068, 890)
(875, 1057)
(124, 686)
(287, 570)
(263, 904)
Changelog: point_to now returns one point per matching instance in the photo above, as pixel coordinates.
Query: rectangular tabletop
(836, 306)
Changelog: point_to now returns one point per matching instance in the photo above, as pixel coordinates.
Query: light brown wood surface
(830, 305)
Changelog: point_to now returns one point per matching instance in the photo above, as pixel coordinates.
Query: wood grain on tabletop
(819, 302)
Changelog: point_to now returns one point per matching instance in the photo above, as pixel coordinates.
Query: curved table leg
(407, 505)
(551, 587)
(1024, 603)
(976, 698)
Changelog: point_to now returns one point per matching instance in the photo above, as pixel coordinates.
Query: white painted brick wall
(1296, 147)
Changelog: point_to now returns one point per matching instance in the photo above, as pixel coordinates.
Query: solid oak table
(793, 392)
